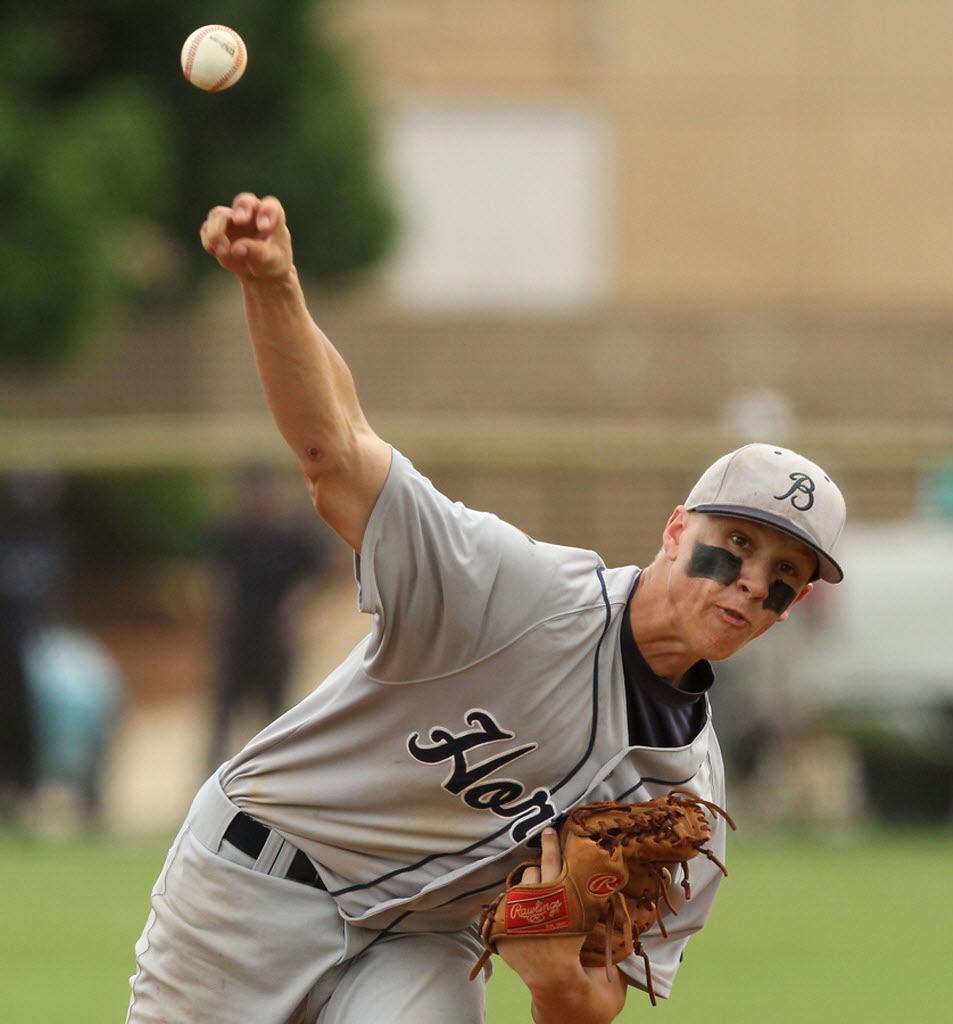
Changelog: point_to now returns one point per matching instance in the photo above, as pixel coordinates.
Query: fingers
(271, 215)
(251, 249)
(244, 207)
(260, 215)
(238, 236)
(551, 863)
(248, 216)
(214, 232)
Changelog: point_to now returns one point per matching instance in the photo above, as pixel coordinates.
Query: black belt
(249, 836)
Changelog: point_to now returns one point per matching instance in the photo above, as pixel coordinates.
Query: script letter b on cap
(801, 492)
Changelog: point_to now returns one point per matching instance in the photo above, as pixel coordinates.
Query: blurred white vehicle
(882, 637)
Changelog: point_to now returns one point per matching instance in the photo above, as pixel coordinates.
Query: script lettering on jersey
(505, 798)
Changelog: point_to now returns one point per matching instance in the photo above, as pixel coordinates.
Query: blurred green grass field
(805, 931)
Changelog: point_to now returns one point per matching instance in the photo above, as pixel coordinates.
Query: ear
(674, 532)
(806, 590)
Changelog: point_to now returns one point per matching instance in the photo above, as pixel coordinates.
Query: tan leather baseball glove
(617, 867)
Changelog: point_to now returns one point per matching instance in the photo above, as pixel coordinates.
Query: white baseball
(214, 58)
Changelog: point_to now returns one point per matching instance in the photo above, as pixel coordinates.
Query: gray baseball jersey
(487, 700)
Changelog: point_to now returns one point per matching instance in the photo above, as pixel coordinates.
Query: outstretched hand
(562, 988)
(249, 238)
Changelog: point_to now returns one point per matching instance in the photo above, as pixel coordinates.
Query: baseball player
(335, 868)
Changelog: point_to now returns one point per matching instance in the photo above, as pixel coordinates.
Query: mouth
(731, 617)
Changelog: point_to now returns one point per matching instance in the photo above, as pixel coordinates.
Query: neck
(655, 627)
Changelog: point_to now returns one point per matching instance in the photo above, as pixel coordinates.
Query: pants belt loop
(283, 859)
(272, 853)
(269, 853)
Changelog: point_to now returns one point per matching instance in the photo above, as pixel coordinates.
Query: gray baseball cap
(779, 488)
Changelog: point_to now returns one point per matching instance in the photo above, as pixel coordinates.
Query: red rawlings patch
(530, 911)
(602, 885)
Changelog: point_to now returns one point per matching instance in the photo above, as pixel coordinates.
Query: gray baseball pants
(228, 943)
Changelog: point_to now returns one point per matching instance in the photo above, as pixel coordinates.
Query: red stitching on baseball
(193, 49)
(236, 63)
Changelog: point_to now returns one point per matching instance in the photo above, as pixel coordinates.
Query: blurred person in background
(61, 689)
(77, 692)
(33, 571)
(17, 761)
(263, 557)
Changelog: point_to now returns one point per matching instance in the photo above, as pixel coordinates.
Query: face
(730, 579)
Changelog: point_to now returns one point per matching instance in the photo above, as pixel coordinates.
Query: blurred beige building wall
(693, 224)
(757, 152)
(633, 233)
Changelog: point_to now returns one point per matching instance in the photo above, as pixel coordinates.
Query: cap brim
(828, 569)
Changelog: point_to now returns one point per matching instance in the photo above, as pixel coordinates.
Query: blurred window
(502, 207)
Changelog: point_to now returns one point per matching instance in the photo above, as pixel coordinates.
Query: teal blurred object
(936, 492)
(77, 693)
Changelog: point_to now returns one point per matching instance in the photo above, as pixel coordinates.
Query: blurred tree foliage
(109, 160)
(138, 516)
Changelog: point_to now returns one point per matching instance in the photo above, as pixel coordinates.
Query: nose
(754, 581)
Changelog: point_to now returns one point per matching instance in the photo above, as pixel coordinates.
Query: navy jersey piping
(595, 690)
(661, 782)
(553, 789)
(502, 881)
(616, 799)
